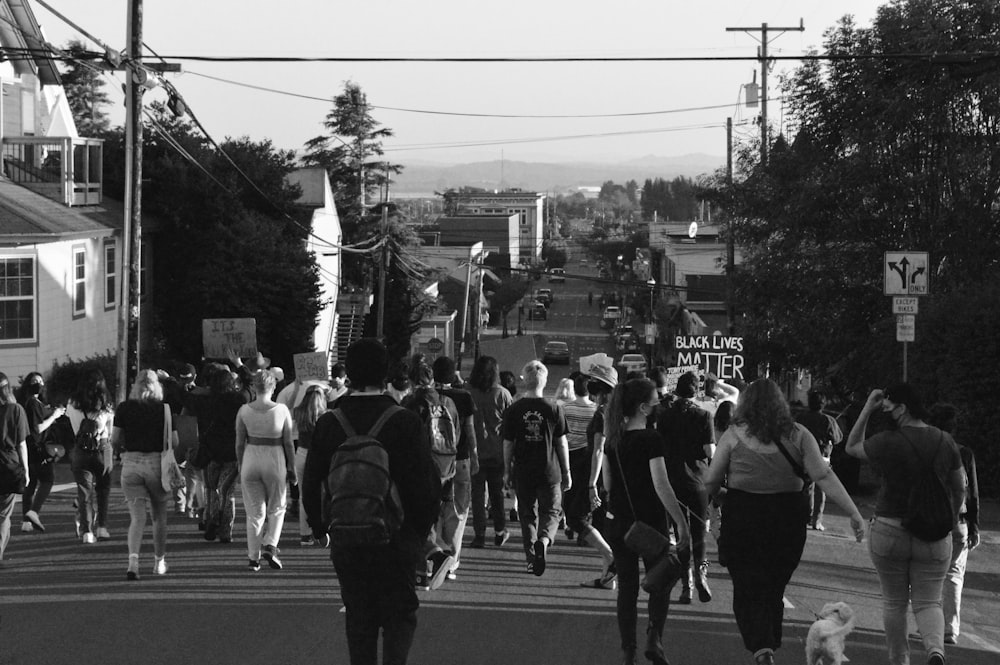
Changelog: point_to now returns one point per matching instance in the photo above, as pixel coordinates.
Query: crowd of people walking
(609, 461)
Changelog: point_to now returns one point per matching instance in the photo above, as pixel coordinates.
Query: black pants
(377, 587)
(695, 500)
(763, 536)
(627, 565)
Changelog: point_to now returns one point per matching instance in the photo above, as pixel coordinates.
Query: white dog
(825, 641)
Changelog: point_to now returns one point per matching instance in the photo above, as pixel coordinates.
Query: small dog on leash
(825, 641)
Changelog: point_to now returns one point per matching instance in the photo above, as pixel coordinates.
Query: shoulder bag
(171, 476)
(646, 541)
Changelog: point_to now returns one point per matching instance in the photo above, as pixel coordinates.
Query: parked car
(544, 296)
(632, 362)
(612, 312)
(537, 312)
(556, 352)
(557, 275)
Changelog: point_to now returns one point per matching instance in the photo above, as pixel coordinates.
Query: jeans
(955, 579)
(695, 499)
(763, 536)
(488, 482)
(220, 486)
(38, 488)
(627, 565)
(454, 513)
(92, 472)
(546, 523)
(377, 588)
(263, 479)
(141, 485)
(909, 570)
(817, 503)
(6, 508)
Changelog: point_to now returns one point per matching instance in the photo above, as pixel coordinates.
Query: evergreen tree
(84, 86)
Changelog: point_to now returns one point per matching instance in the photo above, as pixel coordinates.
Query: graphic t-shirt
(534, 424)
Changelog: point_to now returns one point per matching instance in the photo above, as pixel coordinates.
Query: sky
(457, 28)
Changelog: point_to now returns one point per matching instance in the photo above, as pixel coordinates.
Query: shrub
(65, 376)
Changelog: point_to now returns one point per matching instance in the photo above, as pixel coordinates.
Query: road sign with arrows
(906, 273)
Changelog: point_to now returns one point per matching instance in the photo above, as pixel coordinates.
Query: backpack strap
(342, 419)
(376, 428)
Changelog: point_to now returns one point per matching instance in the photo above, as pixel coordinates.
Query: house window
(17, 299)
(79, 282)
(110, 276)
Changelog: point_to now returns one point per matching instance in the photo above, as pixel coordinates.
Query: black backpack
(86, 436)
(362, 507)
(929, 512)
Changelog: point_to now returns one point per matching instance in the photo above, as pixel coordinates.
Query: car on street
(544, 296)
(555, 352)
(632, 362)
(537, 312)
(557, 275)
(612, 313)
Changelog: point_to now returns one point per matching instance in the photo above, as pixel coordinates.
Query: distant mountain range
(425, 179)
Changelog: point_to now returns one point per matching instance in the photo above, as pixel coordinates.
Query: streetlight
(651, 283)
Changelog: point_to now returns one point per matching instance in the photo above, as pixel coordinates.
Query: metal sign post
(906, 278)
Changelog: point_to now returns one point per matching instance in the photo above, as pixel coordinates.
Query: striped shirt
(578, 416)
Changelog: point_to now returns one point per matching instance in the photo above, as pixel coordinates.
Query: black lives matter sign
(721, 355)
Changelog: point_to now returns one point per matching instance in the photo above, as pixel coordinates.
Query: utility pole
(128, 313)
(380, 325)
(762, 58)
(730, 241)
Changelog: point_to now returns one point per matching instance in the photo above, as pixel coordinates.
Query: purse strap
(166, 427)
(621, 470)
(796, 467)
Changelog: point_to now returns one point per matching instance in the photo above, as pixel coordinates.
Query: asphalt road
(62, 602)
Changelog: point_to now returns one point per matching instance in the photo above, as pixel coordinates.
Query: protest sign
(218, 336)
(311, 366)
(721, 355)
(674, 373)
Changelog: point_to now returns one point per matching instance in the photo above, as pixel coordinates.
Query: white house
(60, 243)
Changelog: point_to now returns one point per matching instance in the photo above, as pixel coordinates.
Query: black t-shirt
(633, 453)
(218, 412)
(35, 411)
(13, 430)
(686, 429)
(466, 408)
(595, 427)
(534, 424)
(141, 424)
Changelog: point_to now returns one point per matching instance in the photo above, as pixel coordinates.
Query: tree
(219, 253)
(512, 289)
(84, 86)
(351, 154)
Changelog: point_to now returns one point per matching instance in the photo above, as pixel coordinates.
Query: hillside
(548, 177)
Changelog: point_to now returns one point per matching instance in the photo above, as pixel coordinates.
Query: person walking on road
(41, 419)
(218, 411)
(765, 457)
(492, 401)
(377, 582)
(14, 473)
(266, 462)
(90, 415)
(635, 476)
(536, 459)
(689, 435)
(827, 433)
(911, 571)
(965, 537)
(139, 432)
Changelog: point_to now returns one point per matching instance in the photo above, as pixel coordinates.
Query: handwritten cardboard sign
(674, 374)
(220, 335)
(721, 355)
(311, 366)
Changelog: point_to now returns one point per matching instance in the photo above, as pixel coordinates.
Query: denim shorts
(141, 477)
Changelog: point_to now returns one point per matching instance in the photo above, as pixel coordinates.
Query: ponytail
(625, 401)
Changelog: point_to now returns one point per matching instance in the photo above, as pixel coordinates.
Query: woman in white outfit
(266, 461)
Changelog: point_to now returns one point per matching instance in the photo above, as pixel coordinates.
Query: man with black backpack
(371, 489)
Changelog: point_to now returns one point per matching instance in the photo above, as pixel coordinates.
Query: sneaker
(950, 639)
(501, 538)
(701, 582)
(442, 563)
(89, 539)
(306, 541)
(539, 568)
(936, 659)
(512, 516)
(27, 527)
(270, 554)
(451, 576)
(478, 542)
(819, 526)
(102, 533)
(685, 598)
(160, 565)
(609, 580)
(253, 566)
(422, 584)
(32, 516)
(531, 566)
(132, 574)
